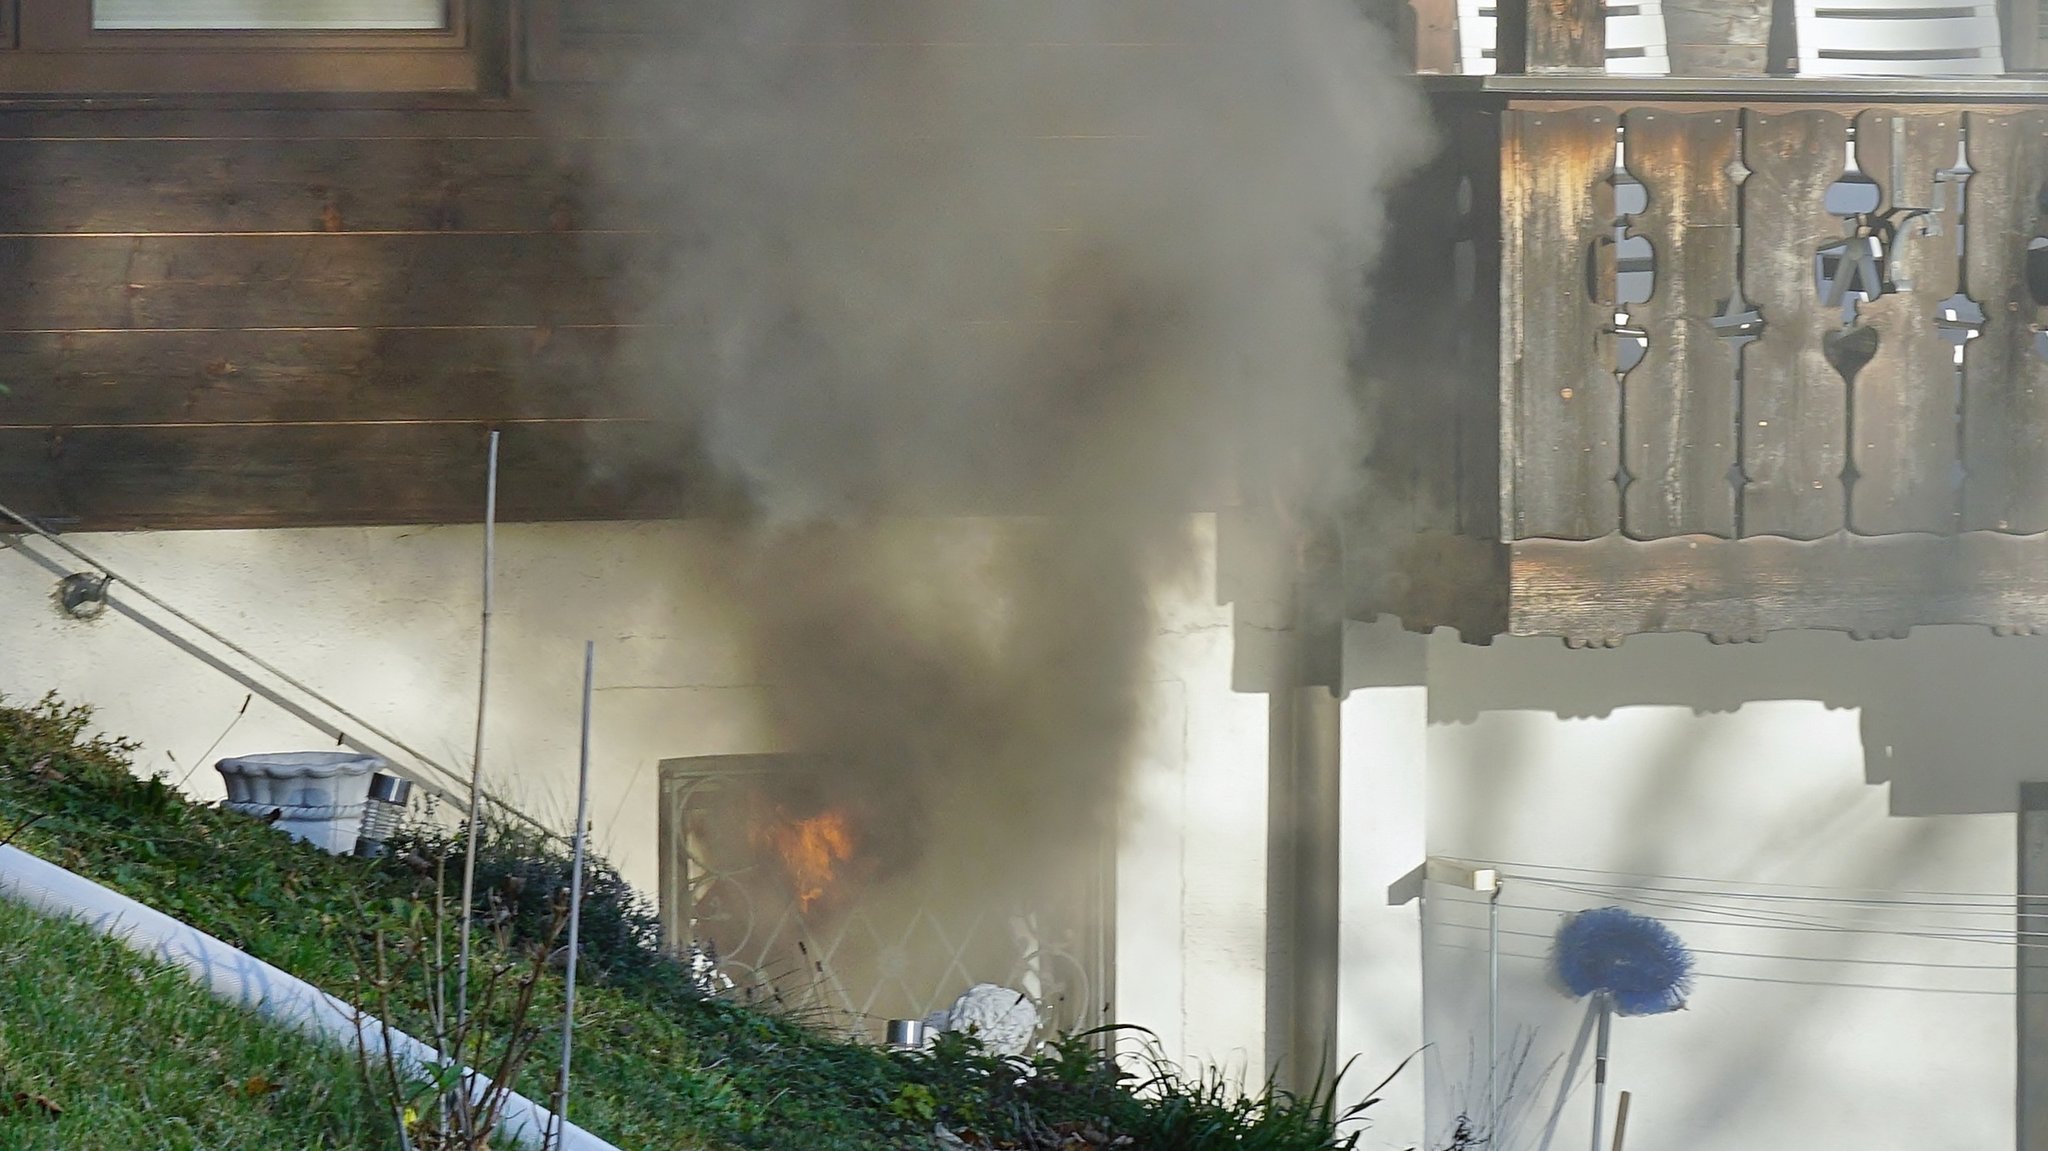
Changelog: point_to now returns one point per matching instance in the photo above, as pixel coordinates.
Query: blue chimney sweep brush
(1628, 963)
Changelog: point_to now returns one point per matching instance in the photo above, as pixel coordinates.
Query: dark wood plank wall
(255, 318)
(1477, 145)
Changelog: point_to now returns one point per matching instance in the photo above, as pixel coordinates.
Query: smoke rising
(1089, 264)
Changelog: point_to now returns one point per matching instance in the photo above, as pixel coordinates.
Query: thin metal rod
(1600, 1065)
(1620, 1120)
(1493, 1014)
(476, 759)
(561, 1109)
(420, 759)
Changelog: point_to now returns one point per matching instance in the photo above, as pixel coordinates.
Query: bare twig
(397, 1089)
(31, 821)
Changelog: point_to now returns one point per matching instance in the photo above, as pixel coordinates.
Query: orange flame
(811, 851)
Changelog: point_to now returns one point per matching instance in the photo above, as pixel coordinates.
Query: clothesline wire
(1723, 976)
(1733, 918)
(1525, 869)
(1766, 916)
(1862, 962)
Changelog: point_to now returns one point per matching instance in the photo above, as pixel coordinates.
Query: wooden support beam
(1563, 35)
(1511, 36)
(1598, 592)
(1435, 38)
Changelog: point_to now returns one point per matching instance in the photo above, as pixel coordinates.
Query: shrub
(521, 869)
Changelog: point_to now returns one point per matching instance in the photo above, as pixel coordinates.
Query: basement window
(163, 47)
(269, 15)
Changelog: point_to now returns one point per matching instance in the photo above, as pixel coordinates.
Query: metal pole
(576, 891)
(1600, 1065)
(2030, 961)
(1620, 1120)
(1493, 1015)
(476, 763)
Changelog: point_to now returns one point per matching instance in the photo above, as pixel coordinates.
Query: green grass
(658, 1067)
(101, 1049)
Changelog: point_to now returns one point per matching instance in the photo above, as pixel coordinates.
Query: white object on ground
(1637, 44)
(319, 795)
(1005, 1020)
(1898, 38)
(237, 977)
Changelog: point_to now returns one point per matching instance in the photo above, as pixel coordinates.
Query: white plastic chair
(1898, 37)
(1636, 43)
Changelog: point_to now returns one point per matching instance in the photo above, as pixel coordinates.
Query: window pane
(268, 15)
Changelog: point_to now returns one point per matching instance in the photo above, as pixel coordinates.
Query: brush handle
(1600, 1066)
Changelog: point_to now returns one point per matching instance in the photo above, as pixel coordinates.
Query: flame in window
(812, 851)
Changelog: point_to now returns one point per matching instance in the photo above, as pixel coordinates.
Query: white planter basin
(317, 796)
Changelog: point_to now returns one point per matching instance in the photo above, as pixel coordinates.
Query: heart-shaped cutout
(1848, 349)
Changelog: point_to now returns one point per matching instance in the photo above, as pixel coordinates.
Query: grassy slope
(657, 1067)
(137, 1056)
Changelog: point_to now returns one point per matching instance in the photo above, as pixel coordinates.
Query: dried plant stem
(561, 1100)
(476, 765)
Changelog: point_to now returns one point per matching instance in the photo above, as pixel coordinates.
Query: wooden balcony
(1772, 353)
(1748, 386)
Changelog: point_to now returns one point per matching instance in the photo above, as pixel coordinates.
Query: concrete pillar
(1385, 753)
(2032, 1024)
(1304, 862)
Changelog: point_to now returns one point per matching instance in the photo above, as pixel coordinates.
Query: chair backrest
(1636, 43)
(1898, 37)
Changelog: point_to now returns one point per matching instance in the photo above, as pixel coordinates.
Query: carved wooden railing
(1774, 367)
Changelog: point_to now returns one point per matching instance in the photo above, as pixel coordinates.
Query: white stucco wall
(1385, 792)
(1845, 995)
(1776, 803)
(385, 622)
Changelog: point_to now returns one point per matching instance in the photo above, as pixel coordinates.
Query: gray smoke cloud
(1090, 264)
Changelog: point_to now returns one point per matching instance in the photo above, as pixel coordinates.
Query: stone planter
(318, 795)
(1718, 37)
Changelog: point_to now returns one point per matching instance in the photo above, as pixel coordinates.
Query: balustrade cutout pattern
(1746, 322)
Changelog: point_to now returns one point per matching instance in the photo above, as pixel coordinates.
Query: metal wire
(421, 760)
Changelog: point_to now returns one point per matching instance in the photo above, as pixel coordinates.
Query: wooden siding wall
(256, 318)
(1819, 467)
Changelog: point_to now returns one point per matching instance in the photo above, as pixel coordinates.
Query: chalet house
(1704, 572)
